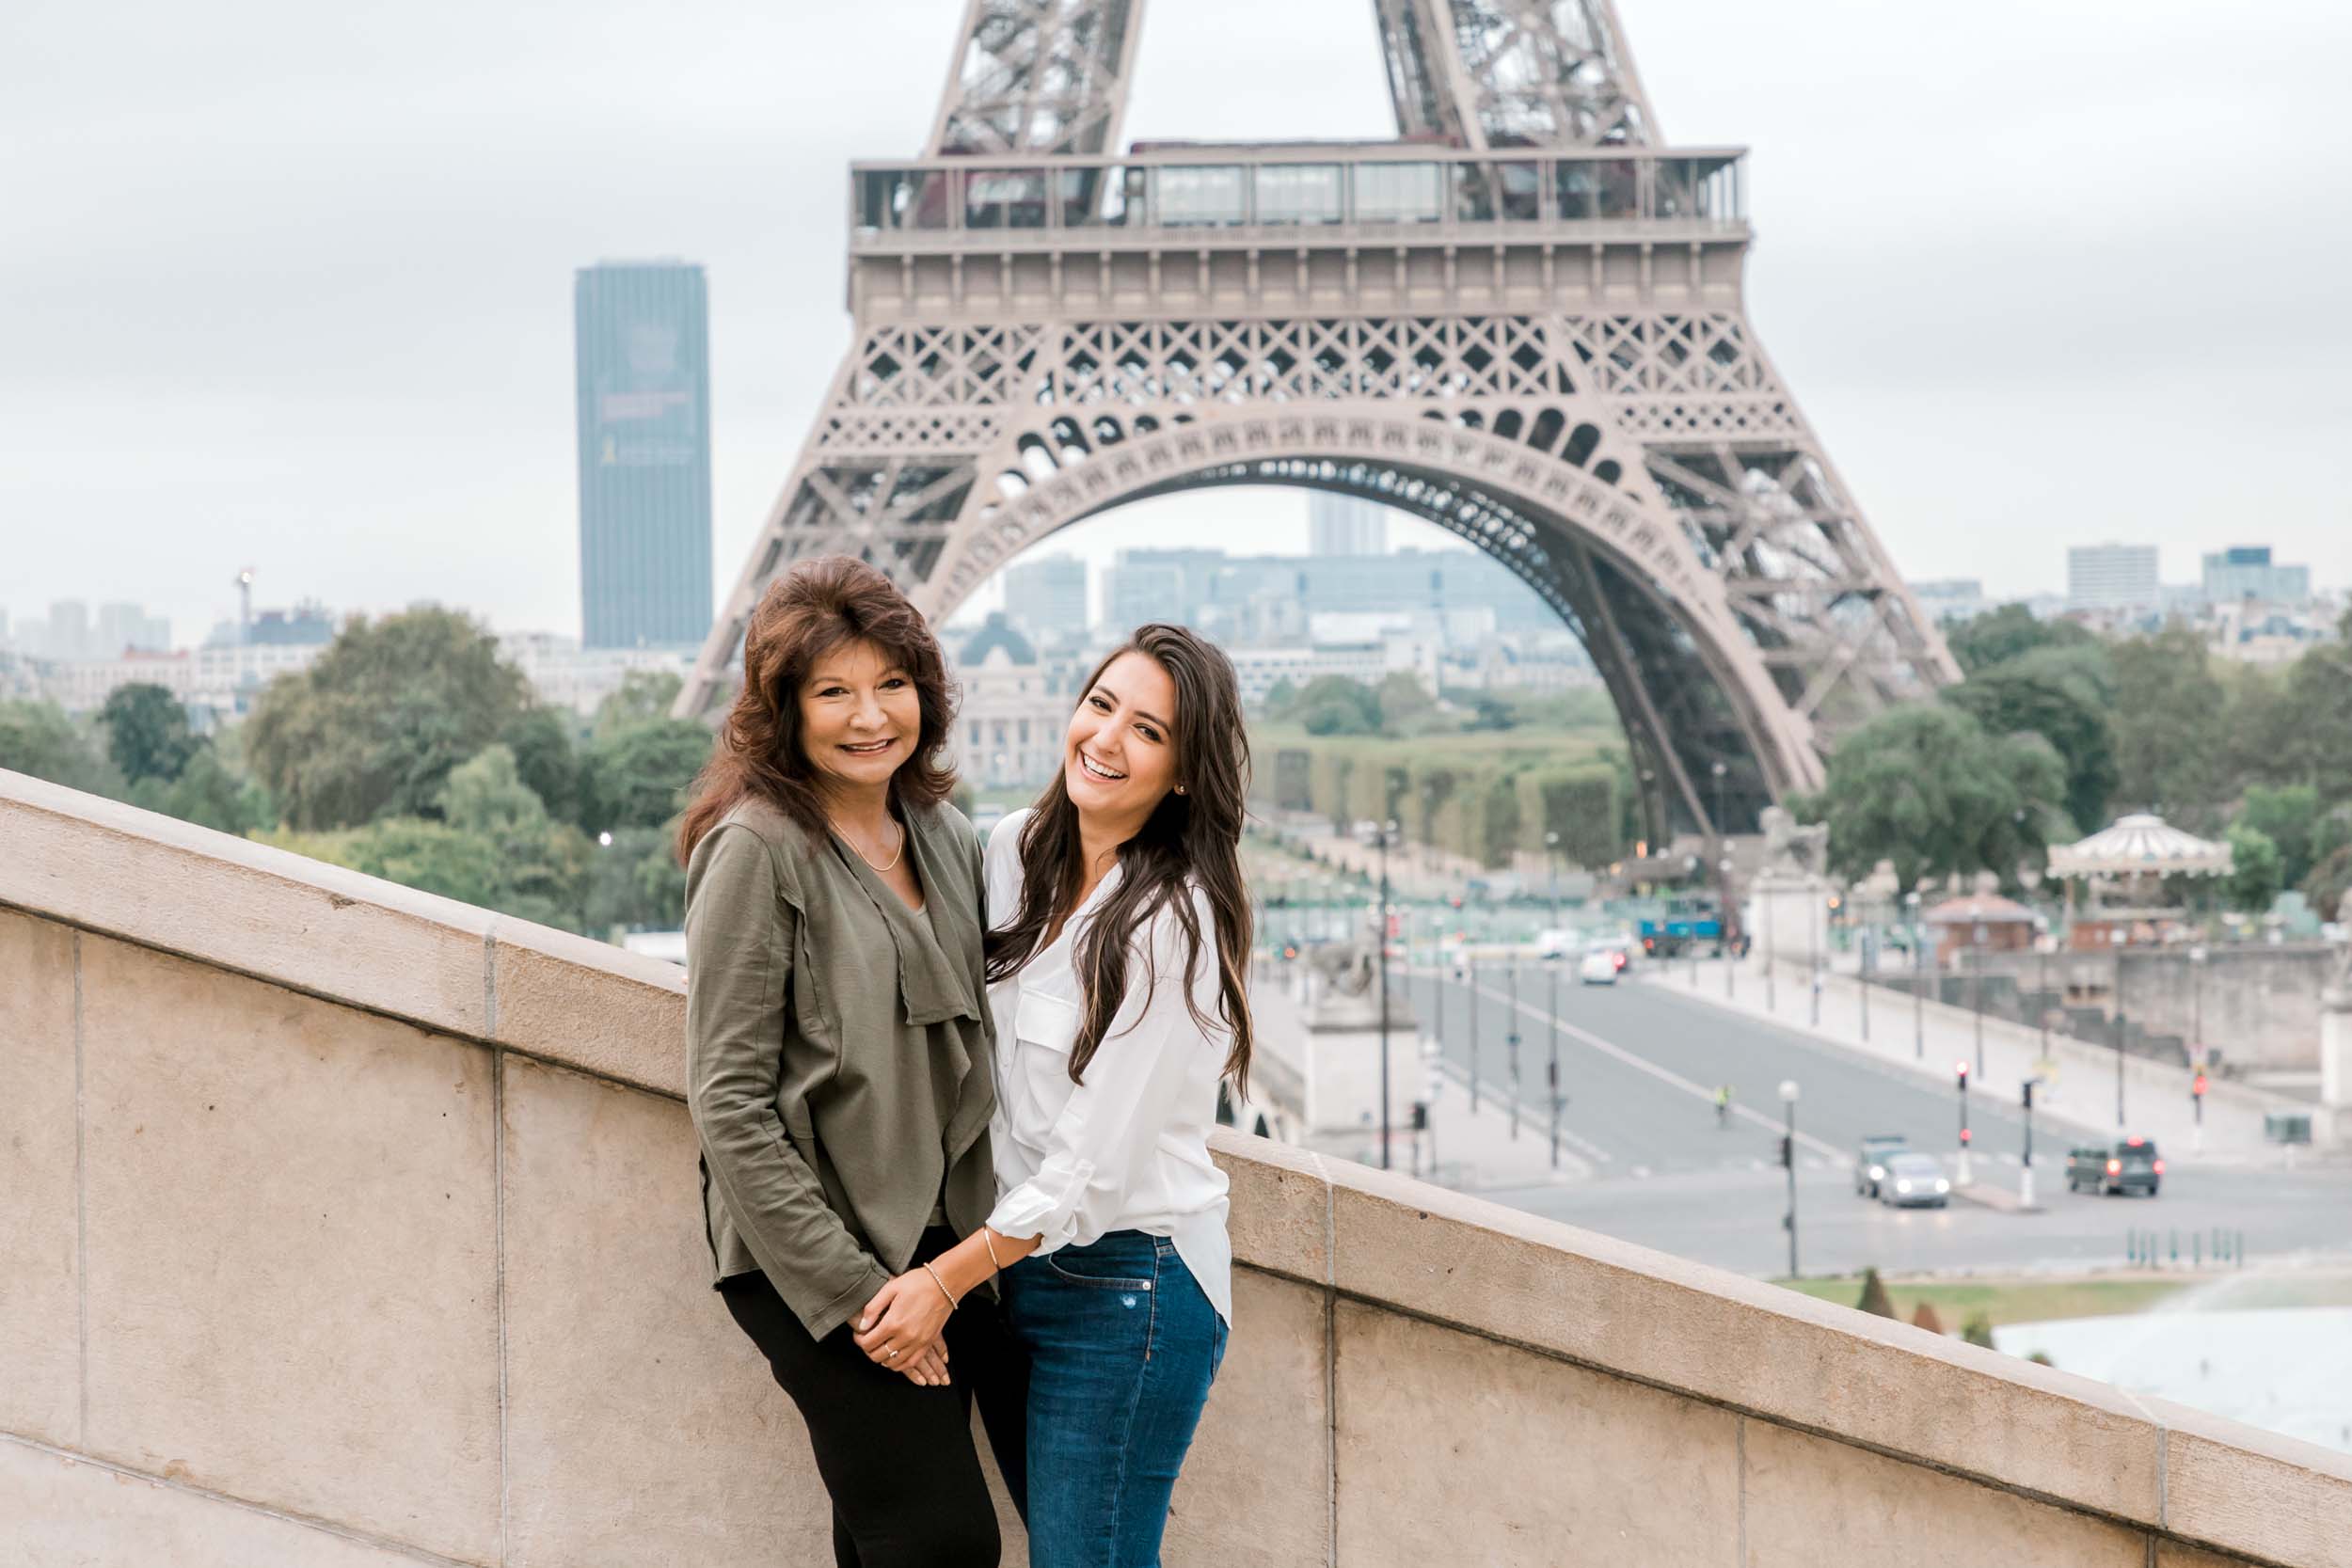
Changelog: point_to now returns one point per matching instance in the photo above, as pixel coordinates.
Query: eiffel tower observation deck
(1522, 321)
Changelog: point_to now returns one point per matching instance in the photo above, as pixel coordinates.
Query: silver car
(1915, 1182)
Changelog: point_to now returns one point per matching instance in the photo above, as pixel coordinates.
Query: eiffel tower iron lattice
(1522, 322)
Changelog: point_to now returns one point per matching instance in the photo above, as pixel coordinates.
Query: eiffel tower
(1521, 321)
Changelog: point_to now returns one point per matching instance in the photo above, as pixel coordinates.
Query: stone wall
(349, 1226)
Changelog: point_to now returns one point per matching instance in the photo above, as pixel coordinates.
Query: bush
(1874, 1296)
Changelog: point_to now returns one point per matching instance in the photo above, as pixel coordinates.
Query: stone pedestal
(2335, 1057)
(1342, 1066)
(1787, 917)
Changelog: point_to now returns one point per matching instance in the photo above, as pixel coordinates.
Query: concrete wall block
(1256, 1488)
(292, 1274)
(641, 1426)
(1809, 1501)
(1281, 1218)
(589, 1004)
(1455, 1449)
(2255, 1492)
(59, 1512)
(263, 912)
(40, 1230)
(1748, 1344)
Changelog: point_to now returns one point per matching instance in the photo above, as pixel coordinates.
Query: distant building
(1141, 586)
(641, 342)
(1949, 599)
(1047, 599)
(2247, 572)
(68, 631)
(304, 625)
(2112, 576)
(1015, 707)
(564, 674)
(1345, 525)
(127, 628)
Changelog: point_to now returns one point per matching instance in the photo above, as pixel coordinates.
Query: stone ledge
(1378, 1238)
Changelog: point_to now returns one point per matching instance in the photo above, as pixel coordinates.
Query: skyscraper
(1344, 525)
(641, 335)
(2112, 576)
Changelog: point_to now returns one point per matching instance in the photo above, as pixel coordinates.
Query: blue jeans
(1122, 1346)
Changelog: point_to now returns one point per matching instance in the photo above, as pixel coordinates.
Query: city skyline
(404, 434)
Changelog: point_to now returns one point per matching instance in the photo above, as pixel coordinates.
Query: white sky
(288, 284)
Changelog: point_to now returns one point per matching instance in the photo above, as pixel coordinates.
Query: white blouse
(1128, 1150)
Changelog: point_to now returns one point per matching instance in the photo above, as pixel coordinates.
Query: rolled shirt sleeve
(740, 941)
(1108, 1133)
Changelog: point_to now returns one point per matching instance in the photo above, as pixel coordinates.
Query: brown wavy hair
(1190, 840)
(806, 614)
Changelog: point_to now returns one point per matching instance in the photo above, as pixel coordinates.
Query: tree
(636, 884)
(1978, 1330)
(541, 739)
(2319, 694)
(1402, 702)
(2000, 635)
(2253, 882)
(1280, 698)
(1492, 713)
(643, 694)
(147, 732)
(38, 738)
(2289, 815)
(374, 727)
(636, 776)
(541, 865)
(1874, 1296)
(2063, 694)
(2330, 880)
(1924, 787)
(2167, 725)
(208, 794)
(1925, 1318)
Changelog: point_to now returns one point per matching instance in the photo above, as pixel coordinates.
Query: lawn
(2045, 1298)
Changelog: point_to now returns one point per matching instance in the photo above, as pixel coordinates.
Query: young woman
(1116, 973)
(839, 1066)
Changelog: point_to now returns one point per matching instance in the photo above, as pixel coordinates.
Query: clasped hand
(902, 1328)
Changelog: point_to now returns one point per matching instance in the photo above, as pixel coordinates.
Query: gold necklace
(861, 855)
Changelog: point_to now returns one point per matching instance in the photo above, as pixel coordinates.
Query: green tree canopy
(2330, 880)
(38, 738)
(635, 776)
(147, 732)
(2319, 695)
(2063, 694)
(1924, 787)
(643, 694)
(2168, 725)
(374, 727)
(541, 739)
(1334, 705)
(542, 865)
(2289, 815)
(2000, 635)
(2253, 882)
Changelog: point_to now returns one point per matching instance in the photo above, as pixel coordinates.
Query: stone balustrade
(347, 1226)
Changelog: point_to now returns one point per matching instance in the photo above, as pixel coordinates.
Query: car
(2127, 1166)
(1915, 1180)
(1599, 966)
(1555, 943)
(1869, 1161)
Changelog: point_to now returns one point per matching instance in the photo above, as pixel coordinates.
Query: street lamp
(1731, 967)
(1788, 1158)
(1918, 982)
(1380, 936)
(1552, 850)
(2196, 1005)
(2116, 938)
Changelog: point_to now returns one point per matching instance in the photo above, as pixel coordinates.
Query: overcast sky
(288, 285)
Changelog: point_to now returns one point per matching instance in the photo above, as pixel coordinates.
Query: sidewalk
(2076, 1093)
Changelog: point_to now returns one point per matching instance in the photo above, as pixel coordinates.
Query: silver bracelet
(952, 1302)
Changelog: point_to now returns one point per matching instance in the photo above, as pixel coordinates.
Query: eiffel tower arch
(1522, 321)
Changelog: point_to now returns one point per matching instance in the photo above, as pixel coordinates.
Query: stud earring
(1180, 789)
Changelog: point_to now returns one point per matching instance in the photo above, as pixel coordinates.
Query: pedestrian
(1116, 967)
(839, 1064)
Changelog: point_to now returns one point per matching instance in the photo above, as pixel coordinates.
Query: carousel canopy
(2141, 846)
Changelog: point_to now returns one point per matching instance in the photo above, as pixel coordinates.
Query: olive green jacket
(839, 1058)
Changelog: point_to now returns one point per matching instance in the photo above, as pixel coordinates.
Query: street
(1639, 1067)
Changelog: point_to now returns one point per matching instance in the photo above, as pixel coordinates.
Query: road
(1639, 1067)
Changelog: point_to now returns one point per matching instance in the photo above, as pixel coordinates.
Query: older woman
(839, 1063)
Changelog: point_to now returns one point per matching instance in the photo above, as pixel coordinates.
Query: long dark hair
(1192, 838)
(806, 613)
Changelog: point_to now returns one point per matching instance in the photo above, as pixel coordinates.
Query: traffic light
(2198, 1087)
(1965, 1137)
(1962, 1069)
(2029, 1094)
(1788, 1153)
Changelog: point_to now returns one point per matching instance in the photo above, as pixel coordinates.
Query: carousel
(2128, 868)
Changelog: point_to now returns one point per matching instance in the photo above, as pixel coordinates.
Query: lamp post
(2196, 1006)
(1772, 947)
(1511, 1040)
(1813, 917)
(1723, 884)
(2116, 938)
(1918, 982)
(1960, 1071)
(1788, 1158)
(1552, 1069)
(1551, 851)
(1868, 933)
(1731, 965)
(1380, 936)
(2025, 1175)
(1976, 994)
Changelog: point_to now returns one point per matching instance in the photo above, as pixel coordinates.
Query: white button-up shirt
(1128, 1150)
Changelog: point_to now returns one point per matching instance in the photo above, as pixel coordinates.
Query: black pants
(898, 1459)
